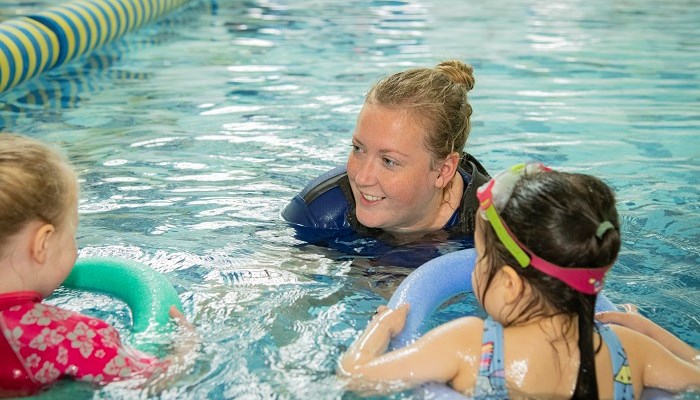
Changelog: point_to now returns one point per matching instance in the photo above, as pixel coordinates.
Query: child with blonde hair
(545, 241)
(40, 343)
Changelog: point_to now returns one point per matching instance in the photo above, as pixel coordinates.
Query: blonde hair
(437, 96)
(36, 183)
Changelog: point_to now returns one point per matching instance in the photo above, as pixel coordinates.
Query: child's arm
(660, 367)
(53, 343)
(182, 357)
(438, 356)
(643, 325)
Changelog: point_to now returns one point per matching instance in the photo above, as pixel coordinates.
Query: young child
(39, 343)
(545, 241)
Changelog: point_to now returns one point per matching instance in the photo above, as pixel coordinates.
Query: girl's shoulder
(462, 333)
(464, 324)
(462, 338)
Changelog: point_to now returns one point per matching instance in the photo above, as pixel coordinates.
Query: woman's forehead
(387, 129)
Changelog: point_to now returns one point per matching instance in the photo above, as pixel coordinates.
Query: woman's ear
(40, 245)
(447, 170)
(513, 284)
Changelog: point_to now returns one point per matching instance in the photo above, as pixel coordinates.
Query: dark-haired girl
(545, 241)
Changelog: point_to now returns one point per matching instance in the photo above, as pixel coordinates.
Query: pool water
(192, 134)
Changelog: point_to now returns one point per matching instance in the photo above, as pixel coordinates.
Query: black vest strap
(470, 204)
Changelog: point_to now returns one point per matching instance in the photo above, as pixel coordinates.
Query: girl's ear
(512, 283)
(40, 244)
(447, 170)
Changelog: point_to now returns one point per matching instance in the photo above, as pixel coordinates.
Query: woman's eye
(389, 162)
(355, 148)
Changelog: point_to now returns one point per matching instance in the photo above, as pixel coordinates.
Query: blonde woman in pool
(407, 176)
(545, 241)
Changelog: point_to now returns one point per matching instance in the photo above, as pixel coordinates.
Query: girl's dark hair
(556, 215)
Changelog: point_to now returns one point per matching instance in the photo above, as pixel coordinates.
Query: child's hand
(189, 340)
(393, 320)
(182, 356)
(180, 319)
(374, 341)
(629, 318)
(185, 346)
(630, 308)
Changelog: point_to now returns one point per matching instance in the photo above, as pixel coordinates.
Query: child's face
(63, 252)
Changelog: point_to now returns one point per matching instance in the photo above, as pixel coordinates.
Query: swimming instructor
(407, 176)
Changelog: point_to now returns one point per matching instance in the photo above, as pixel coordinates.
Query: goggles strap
(505, 236)
(584, 280)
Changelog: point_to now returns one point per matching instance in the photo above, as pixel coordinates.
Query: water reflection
(188, 147)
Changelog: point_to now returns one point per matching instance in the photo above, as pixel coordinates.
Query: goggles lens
(494, 195)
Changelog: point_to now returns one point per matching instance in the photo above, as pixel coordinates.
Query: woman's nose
(366, 174)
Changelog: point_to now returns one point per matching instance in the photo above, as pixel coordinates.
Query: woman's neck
(451, 199)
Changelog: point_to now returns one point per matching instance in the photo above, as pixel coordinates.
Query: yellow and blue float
(37, 42)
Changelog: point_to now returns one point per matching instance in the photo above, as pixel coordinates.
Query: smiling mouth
(372, 198)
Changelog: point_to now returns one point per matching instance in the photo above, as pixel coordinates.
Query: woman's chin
(370, 221)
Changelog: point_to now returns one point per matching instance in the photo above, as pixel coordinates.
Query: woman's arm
(436, 357)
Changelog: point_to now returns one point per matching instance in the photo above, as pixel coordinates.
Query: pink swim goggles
(494, 195)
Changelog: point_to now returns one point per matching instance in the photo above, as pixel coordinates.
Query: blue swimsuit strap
(491, 382)
(622, 377)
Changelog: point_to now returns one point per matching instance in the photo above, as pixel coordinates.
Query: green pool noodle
(147, 292)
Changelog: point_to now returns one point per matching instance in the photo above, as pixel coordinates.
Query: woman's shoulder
(322, 204)
(328, 180)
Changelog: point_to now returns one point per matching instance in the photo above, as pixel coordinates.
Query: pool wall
(38, 42)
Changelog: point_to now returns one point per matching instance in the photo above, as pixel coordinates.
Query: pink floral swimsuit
(41, 344)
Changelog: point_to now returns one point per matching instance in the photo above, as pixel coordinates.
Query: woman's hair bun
(458, 72)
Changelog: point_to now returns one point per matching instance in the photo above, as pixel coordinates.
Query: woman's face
(390, 172)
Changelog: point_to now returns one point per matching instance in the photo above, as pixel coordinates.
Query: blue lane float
(37, 42)
(434, 283)
(148, 293)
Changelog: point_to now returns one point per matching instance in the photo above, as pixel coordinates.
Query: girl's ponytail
(586, 382)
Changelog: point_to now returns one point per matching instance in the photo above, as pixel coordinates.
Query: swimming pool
(190, 135)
